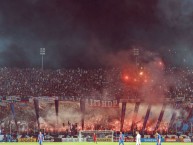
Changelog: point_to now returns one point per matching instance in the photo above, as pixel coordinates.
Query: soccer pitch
(91, 143)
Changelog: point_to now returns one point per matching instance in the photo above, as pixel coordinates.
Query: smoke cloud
(77, 34)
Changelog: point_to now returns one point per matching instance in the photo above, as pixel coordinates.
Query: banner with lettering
(48, 99)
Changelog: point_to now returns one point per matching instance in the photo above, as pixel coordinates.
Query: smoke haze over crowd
(83, 33)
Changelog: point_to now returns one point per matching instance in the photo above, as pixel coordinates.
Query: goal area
(101, 135)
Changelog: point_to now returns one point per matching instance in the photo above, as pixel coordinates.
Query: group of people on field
(121, 138)
(138, 138)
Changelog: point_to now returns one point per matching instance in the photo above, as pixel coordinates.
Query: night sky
(87, 33)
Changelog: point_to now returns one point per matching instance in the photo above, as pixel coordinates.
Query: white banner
(1, 137)
(187, 140)
(13, 98)
(73, 140)
(45, 99)
(102, 103)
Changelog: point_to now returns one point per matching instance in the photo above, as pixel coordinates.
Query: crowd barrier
(75, 140)
(129, 140)
(1, 138)
(104, 139)
(187, 140)
(116, 139)
(170, 139)
(126, 140)
(89, 139)
(27, 139)
(49, 140)
(100, 139)
(170, 136)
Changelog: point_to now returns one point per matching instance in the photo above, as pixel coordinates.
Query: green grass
(90, 143)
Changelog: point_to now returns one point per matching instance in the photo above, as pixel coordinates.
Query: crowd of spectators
(82, 82)
(62, 82)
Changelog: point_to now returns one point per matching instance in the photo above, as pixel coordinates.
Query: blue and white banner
(150, 140)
